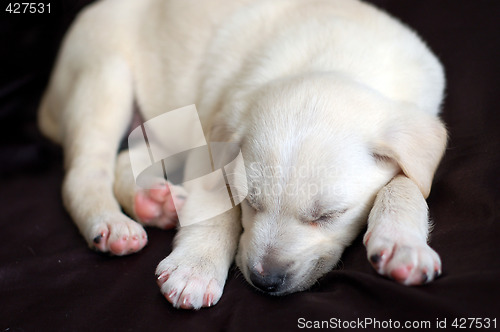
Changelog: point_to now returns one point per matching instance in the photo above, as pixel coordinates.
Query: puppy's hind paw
(156, 207)
(117, 235)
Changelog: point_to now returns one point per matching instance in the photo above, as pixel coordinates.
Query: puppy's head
(316, 154)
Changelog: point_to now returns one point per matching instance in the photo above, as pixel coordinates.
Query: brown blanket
(50, 281)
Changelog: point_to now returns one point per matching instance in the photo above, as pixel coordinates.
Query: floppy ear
(416, 141)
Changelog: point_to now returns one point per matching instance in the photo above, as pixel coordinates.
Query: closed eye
(329, 216)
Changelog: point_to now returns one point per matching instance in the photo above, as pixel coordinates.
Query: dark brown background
(50, 281)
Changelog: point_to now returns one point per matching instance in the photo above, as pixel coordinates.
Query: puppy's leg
(396, 239)
(95, 113)
(194, 274)
(152, 206)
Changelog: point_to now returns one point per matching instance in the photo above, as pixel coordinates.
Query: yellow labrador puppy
(333, 103)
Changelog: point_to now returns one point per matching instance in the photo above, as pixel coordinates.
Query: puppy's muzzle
(270, 278)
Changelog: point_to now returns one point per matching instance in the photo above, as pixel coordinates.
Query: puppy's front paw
(156, 207)
(406, 259)
(190, 283)
(117, 234)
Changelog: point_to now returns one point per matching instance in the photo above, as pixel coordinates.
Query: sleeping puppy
(333, 104)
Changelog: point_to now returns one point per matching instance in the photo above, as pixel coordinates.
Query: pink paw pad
(156, 207)
(400, 274)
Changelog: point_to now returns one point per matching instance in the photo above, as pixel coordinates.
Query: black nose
(268, 282)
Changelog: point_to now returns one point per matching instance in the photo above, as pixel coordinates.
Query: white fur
(335, 88)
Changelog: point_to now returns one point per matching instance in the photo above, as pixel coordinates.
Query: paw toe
(401, 273)
(100, 241)
(119, 246)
